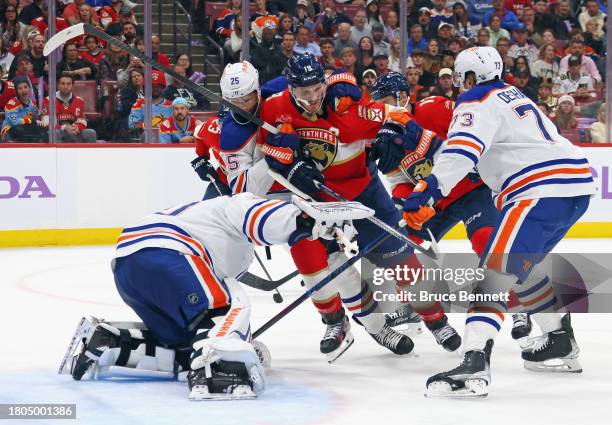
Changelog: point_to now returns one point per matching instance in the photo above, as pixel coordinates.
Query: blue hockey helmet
(304, 70)
(390, 84)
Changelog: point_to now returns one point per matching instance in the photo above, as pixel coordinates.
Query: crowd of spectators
(99, 88)
(552, 50)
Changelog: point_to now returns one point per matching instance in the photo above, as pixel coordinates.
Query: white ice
(45, 291)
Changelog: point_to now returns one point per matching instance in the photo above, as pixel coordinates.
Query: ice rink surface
(45, 291)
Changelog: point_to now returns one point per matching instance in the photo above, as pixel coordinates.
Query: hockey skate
(521, 328)
(405, 320)
(445, 334)
(554, 351)
(470, 379)
(338, 336)
(222, 380)
(396, 342)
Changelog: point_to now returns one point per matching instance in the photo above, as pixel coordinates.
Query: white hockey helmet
(484, 62)
(238, 80)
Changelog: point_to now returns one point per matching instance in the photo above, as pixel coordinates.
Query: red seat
(88, 91)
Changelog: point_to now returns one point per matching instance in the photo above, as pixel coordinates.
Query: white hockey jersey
(222, 230)
(517, 151)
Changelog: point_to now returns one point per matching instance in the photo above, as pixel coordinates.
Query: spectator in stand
(25, 68)
(521, 82)
(73, 65)
(565, 116)
(162, 108)
(591, 11)
(381, 47)
(543, 17)
(484, 38)
(392, 28)
(178, 128)
(445, 34)
(129, 33)
(522, 46)
(71, 13)
(6, 59)
(416, 40)
(279, 62)
(233, 44)
(349, 61)
(124, 74)
(261, 10)
(518, 6)
(381, 64)
(394, 56)
(447, 59)
(427, 78)
(302, 15)
(574, 82)
(184, 60)
(432, 57)
(70, 113)
(31, 11)
(263, 52)
(509, 20)
(424, 20)
(157, 55)
(330, 24)
(593, 37)
(373, 13)
(528, 19)
(588, 65)
(7, 92)
(598, 128)
(548, 36)
(444, 87)
(563, 21)
(196, 101)
(360, 27)
(12, 30)
(286, 25)
(520, 64)
(94, 53)
(466, 27)
(303, 43)
(328, 57)
(546, 67)
(417, 92)
(110, 14)
(128, 95)
(21, 116)
(365, 53)
(35, 53)
(258, 25)
(224, 22)
(441, 12)
(344, 38)
(495, 30)
(479, 8)
(367, 80)
(503, 46)
(86, 15)
(545, 95)
(455, 46)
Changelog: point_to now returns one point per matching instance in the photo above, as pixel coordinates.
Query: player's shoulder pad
(234, 136)
(480, 92)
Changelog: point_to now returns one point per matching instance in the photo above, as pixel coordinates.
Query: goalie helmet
(484, 62)
(303, 71)
(238, 80)
(390, 84)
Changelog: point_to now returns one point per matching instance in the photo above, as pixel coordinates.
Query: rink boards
(84, 194)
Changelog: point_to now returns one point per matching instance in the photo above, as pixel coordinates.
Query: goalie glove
(342, 91)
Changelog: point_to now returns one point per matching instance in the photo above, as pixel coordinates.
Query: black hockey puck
(277, 297)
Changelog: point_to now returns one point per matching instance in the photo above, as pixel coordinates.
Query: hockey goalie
(177, 270)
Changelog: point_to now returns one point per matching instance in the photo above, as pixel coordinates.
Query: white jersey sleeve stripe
(462, 134)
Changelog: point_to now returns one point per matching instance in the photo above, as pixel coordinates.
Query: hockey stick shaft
(331, 276)
(80, 29)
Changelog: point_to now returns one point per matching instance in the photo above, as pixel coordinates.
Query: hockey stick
(331, 276)
(81, 29)
(431, 252)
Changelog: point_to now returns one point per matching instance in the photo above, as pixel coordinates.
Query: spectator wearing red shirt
(157, 55)
(71, 13)
(331, 19)
(94, 53)
(328, 57)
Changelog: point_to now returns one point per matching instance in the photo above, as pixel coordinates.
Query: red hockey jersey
(207, 138)
(69, 112)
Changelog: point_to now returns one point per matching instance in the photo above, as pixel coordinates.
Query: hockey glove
(418, 206)
(342, 91)
(304, 176)
(204, 168)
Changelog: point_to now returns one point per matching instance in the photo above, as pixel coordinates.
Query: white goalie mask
(484, 62)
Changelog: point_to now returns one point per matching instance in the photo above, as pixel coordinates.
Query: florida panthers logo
(320, 145)
(416, 168)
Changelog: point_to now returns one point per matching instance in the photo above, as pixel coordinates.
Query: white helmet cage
(484, 62)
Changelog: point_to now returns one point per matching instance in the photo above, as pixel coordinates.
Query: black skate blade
(346, 344)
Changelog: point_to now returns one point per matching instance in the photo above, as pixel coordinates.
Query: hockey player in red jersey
(331, 129)
(207, 139)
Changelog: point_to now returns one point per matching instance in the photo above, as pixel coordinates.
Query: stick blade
(62, 37)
